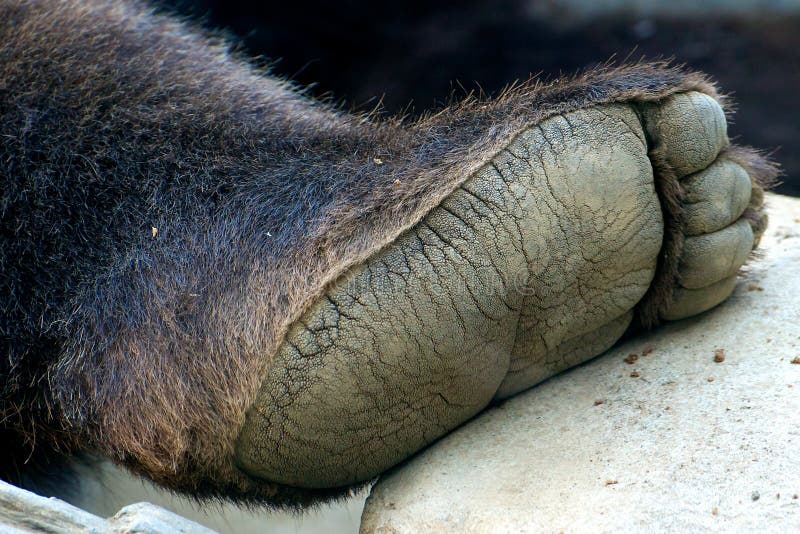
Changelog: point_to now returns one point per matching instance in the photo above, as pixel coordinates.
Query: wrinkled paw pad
(718, 201)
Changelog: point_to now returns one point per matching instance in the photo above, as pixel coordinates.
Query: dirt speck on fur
(598, 402)
(612, 481)
(635, 374)
(719, 355)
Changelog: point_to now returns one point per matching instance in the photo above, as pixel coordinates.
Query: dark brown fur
(168, 210)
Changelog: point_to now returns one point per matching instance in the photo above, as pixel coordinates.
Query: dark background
(414, 55)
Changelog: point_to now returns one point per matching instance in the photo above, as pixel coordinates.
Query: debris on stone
(635, 374)
(719, 355)
(755, 496)
(796, 360)
(630, 358)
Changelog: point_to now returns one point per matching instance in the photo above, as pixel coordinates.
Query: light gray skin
(534, 265)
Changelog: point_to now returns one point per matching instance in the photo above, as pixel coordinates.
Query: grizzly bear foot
(538, 262)
(244, 293)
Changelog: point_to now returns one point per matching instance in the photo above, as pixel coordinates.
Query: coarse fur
(167, 210)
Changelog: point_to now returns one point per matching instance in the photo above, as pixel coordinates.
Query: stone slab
(22, 511)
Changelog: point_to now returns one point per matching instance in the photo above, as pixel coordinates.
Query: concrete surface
(673, 441)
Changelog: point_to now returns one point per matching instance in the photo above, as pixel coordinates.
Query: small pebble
(755, 496)
(719, 355)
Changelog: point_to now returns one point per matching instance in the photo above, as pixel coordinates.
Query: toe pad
(690, 128)
(715, 197)
(709, 258)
